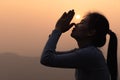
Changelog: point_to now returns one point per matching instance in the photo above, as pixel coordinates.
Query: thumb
(72, 24)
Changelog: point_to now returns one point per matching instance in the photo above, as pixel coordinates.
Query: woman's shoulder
(90, 50)
(91, 54)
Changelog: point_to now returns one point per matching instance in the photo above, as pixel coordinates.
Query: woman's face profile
(81, 29)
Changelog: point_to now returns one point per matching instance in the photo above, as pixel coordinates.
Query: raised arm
(66, 60)
(52, 58)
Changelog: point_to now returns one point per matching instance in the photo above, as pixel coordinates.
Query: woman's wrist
(58, 29)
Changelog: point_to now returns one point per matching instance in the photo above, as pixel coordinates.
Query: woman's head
(100, 25)
(95, 26)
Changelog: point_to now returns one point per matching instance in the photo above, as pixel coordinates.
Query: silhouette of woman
(88, 60)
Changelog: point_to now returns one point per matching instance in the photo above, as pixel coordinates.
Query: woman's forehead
(87, 18)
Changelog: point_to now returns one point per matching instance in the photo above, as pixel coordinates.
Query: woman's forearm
(50, 46)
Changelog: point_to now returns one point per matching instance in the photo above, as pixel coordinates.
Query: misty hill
(15, 67)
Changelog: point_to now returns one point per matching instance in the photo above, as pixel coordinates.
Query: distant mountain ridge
(16, 67)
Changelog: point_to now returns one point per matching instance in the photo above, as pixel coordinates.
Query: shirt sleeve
(51, 58)
(65, 52)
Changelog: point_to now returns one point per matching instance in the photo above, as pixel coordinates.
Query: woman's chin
(73, 35)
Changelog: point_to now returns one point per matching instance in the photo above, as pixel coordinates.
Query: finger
(70, 15)
(70, 12)
(71, 25)
(64, 15)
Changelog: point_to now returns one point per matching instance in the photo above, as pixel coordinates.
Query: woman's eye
(82, 22)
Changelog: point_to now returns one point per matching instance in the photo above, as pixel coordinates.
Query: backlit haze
(26, 24)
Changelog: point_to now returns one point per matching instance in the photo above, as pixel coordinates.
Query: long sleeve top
(88, 62)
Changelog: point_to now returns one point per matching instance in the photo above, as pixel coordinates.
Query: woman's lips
(73, 30)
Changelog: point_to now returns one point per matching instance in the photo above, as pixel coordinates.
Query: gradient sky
(26, 24)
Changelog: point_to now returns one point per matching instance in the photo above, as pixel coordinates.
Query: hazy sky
(26, 24)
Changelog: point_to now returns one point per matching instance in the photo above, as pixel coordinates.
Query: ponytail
(112, 56)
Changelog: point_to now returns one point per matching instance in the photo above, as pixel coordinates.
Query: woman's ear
(91, 33)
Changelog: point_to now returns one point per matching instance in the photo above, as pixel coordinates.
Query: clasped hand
(63, 24)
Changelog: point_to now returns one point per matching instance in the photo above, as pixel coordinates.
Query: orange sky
(26, 24)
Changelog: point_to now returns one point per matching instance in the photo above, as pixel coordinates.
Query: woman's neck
(84, 43)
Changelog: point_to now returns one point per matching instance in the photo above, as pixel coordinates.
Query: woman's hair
(100, 24)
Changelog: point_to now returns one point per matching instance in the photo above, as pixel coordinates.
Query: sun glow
(78, 16)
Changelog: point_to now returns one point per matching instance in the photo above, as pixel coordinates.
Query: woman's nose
(76, 25)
